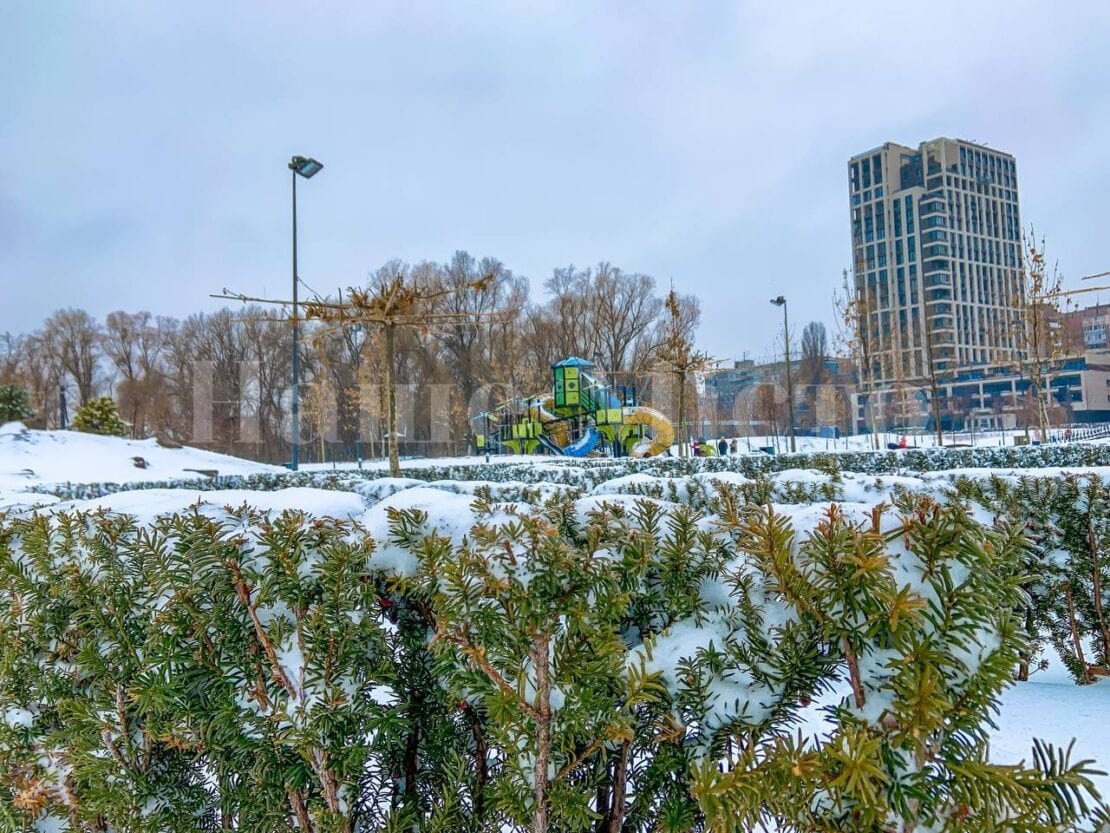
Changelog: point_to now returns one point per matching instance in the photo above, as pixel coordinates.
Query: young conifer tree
(100, 416)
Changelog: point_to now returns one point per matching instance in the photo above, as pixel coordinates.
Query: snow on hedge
(741, 618)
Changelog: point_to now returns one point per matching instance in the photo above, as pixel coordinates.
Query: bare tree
(401, 302)
(815, 350)
(477, 306)
(469, 324)
(768, 408)
(13, 354)
(571, 314)
(859, 336)
(677, 355)
(74, 338)
(135, 343)
(934, 380)
(625, 308)
(1040, 337)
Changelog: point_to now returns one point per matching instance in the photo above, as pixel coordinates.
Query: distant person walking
(722, 447)
(733, 447)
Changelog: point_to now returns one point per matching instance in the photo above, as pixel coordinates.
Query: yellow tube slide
(662, 432)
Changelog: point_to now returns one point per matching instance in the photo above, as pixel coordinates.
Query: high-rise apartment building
(936, 246)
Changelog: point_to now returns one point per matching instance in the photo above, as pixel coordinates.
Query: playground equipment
(582, 416)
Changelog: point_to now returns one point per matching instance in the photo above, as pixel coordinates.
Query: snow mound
(449, 515)
(731, 478)
(626, 484)
(804, 476)
(148, 504)
(35, 458)
(584, 506)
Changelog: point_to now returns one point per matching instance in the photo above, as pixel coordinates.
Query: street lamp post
(357, 330)
(63, 416)
(780, 301)
(307, 167)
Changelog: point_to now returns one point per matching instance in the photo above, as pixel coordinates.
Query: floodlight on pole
(780, 301)
(307, 167)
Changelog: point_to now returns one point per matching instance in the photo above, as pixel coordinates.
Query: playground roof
(573, 361)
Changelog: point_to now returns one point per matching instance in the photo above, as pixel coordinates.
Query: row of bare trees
(222, 379)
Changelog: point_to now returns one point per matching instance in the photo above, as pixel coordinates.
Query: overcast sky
(144, 145)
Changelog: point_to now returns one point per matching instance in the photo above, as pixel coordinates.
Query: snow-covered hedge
(1066, 521)
(587, 474)
(610, 662)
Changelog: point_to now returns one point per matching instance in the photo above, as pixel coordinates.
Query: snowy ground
(1051, 707)
(754, 444)
(37, 458)
(867, 442)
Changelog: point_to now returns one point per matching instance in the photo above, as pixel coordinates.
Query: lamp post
(63, 416)
(307, 167)
(356, 329)
(780, 301)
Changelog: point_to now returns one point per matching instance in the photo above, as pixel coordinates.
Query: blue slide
(585, 444)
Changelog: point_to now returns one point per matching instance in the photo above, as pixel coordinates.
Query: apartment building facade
(1089, 327)
(936, 249)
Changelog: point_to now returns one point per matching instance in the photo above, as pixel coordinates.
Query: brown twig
(243, 592)
(853, 673)
(478, 659)
(300, 811)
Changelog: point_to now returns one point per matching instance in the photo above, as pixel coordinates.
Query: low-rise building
(1077, 390)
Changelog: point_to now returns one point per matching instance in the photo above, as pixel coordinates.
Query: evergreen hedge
(636, 667)
(592, 472)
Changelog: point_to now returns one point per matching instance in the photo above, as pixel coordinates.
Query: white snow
(1050, 706)
(36, 458)
(731, 478)
(626, 484)
(448, 514)
(1056, 714)
(17, 718)
(802, 476)
(1053, 712)
(608, 503)
(147, 504)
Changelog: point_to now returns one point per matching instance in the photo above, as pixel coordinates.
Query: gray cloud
(145, 144)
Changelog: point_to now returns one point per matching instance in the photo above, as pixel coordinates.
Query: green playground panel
(609, 416)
